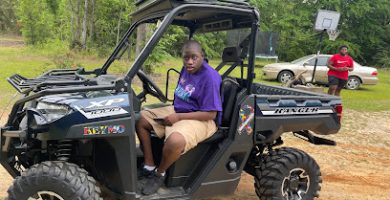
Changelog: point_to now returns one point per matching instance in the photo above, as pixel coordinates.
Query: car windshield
(301, 59)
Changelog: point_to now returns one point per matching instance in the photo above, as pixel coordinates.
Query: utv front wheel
(54, 180)
(288, 174)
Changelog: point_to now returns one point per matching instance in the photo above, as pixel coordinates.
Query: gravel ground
(357, 168)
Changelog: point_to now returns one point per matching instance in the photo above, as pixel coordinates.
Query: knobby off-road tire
(59, 180)
(288, 174)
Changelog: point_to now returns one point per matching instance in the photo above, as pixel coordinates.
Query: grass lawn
(31, 63)
(369, 98)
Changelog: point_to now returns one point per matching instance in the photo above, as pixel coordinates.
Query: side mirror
(305, 64)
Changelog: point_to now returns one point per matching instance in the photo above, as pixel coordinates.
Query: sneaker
(144, 173)
(153, 183)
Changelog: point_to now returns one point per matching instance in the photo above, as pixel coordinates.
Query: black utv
(72, 133)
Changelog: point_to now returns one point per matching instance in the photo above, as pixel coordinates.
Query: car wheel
(285, 76)
(353, 83)
(288, 173)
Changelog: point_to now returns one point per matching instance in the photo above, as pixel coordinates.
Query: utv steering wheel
(150, 87)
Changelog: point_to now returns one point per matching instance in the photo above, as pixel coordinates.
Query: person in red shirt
(339, 65)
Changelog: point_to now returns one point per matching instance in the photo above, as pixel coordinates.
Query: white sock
(162, 174)
(149, 168)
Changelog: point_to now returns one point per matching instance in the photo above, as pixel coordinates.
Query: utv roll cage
(93, 143)
(197, 15)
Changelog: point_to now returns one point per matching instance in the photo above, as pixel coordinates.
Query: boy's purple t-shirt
(199, 91)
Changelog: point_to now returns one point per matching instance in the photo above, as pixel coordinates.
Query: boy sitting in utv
(188, 122)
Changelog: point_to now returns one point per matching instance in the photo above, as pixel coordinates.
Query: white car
(283, 72)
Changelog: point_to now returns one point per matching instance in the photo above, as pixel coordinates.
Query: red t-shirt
(340, 61)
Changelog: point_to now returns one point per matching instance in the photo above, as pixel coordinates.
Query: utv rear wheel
(288, 174)
(54, 180)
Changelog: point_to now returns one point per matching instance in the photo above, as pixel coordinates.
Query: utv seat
(180, 172)
(229, 90)
(230, 55)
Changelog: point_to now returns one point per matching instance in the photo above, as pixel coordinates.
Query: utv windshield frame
(194, 25)
(231, 10)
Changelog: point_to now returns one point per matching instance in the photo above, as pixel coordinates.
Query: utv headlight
(50, 112)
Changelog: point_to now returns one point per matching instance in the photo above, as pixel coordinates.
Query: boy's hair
(193, 43)
(343, 46)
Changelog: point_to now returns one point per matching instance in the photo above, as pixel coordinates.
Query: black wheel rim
(45, 195)
(296, 184)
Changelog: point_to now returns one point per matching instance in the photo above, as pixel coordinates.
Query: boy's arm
(330, 65)
(350, 68)
(339, 69)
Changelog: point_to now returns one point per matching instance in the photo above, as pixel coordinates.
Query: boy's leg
(333, 83)
(143, 128)
(332, 89)
(173, 148)
(340, 86)
(181, 137)
(145, 125)
(337, 92)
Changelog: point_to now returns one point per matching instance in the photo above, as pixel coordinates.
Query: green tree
(364, 25)
(37, 22)
(8, 21)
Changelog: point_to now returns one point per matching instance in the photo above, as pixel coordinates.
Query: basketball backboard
(327, 20)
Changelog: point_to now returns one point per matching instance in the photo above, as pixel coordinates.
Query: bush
(65, 61)
(383, 58)
(155, 59)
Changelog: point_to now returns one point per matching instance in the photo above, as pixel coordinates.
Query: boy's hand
(171, 119)
(343, 69)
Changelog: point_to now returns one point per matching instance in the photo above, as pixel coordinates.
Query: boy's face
(343, 51)
(192, 59)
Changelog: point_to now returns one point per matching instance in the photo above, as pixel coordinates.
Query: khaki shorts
(193, 131)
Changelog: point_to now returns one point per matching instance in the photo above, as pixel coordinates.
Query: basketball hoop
(333, 34)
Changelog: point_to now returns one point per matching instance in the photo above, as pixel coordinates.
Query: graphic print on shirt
(186, 92)
(342, 62)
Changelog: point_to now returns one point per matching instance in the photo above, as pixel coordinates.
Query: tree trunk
(71, 22)
(75, 23)
(7, 15)
(141, 31)
(75, 43)
(92, 20)
(84, 28)
(118, 27)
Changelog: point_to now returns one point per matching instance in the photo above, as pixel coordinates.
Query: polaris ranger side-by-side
(72, 133)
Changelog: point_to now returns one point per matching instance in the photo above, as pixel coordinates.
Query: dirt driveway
(357, 168)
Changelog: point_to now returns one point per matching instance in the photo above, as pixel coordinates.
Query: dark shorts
(337, 81)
